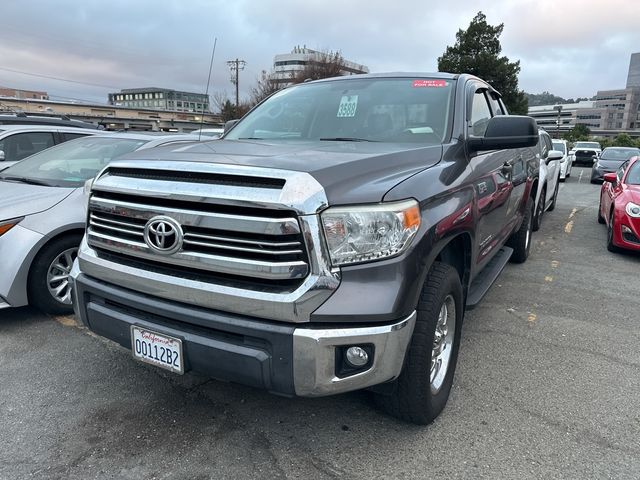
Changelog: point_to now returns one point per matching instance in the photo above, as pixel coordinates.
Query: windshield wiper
(346, 139)
(250, 138)
(30, 181)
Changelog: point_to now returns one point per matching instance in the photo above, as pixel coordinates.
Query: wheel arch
(449, 253)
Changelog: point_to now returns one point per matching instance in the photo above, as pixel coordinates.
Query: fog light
(626, 229)
(357, 356)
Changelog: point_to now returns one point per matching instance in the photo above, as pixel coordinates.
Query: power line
(39, 75)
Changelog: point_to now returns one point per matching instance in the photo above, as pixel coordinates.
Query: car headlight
(364, 233)
(633, 210)
(7, 225)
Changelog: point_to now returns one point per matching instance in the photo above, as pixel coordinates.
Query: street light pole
(559, 109)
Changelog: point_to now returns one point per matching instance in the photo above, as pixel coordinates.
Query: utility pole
(235, 66)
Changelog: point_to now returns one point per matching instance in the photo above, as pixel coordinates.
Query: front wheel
(537, 217)
(520, 241)
(610, 245)
(421, 391)
(552, 206)
(49, 283)
(600, 217)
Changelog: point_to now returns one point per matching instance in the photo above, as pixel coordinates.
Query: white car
(549, 180)
(20, 141)
(566, 162)
(585, 153)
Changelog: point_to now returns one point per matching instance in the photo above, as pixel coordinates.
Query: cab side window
(495, 105)
(544, 146)
(480, 114)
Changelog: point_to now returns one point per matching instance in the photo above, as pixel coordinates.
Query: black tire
(539, 213)
(39, 295)
(610, 246)
(520, 241)
(412, 398)
(555, 197)
(600, 217)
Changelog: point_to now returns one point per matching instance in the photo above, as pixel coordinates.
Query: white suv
(20, 141)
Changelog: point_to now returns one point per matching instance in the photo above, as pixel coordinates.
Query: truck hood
(350, 172)
(21, 199)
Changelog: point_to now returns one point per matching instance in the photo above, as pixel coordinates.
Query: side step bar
(483, 281)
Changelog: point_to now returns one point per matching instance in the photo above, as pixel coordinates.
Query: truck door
(492, 181)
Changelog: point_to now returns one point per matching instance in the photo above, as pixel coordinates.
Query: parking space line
(66, 320)
(548, 278)
(568, 227)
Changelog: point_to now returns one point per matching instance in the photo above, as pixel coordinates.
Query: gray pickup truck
(329, 242)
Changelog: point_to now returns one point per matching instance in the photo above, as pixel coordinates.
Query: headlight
(370, 232)
(7, 225)
(632, 210)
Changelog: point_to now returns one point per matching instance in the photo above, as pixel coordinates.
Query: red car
(620, 206)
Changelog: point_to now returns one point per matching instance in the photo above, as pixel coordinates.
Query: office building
(23, 94)
(160, 99)
(287, 65)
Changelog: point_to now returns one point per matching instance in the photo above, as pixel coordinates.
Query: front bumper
(286, 359)
(17, 249)
(626, 232)
(597, 174)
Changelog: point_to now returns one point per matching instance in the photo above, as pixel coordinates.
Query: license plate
(157, 349)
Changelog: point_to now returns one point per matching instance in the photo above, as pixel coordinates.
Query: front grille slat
(220, 241)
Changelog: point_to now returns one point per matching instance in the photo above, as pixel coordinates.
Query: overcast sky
(571, 48)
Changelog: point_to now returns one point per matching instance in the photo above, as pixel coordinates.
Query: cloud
(571, 48)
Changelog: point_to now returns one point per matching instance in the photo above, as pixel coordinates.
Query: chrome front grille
(228, 240)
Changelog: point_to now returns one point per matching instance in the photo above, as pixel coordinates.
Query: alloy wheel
(442, 344)
(58, 276)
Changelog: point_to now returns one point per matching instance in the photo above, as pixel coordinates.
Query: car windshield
(72, 163)
(367, 109)
(619, 154)
(587, 145)
(559, 146)
(633, 177)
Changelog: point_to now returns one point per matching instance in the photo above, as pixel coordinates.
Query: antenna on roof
(206, 93)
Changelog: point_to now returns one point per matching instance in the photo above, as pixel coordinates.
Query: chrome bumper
(314, 357)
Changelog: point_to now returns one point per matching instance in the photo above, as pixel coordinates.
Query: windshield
(367, 109)
(587, 145)
(72, 163)
(559, 146)
(633, 177)
(619, 154)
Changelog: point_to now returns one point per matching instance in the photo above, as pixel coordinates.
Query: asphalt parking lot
(547, 386)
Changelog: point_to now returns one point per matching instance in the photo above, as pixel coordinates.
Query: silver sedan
(42, 215)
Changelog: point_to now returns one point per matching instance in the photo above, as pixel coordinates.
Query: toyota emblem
(163, 235)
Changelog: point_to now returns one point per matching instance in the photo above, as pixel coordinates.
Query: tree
(624, 140)
(265, 86)
(578, 133)
(230, 111)
(324, 64)
(477, 51)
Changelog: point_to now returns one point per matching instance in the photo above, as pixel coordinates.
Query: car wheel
(520, 241)
(600, 217)
(421, 391)
(554, 199)
(49, 284)
(537, 217)
(610, 246)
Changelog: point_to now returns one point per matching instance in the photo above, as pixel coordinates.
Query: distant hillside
(546, 98)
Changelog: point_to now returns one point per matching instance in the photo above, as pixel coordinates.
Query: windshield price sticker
(348, 106)
(429, 83)
(157, 349)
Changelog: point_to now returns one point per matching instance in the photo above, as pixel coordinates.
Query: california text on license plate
(157, 349)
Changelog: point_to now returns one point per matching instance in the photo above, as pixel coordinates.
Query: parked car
(549, 183)
(585, 153)
(330, 241)
(209, 132)
(566, 162)
(620, 206)
(20, 141)
(42, 215)
(22, 118)
(610, 160)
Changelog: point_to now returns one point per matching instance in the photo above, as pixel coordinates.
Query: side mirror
(506, 131)
(554, 155)
(610, 177)
(229, 125)
(1, 155)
